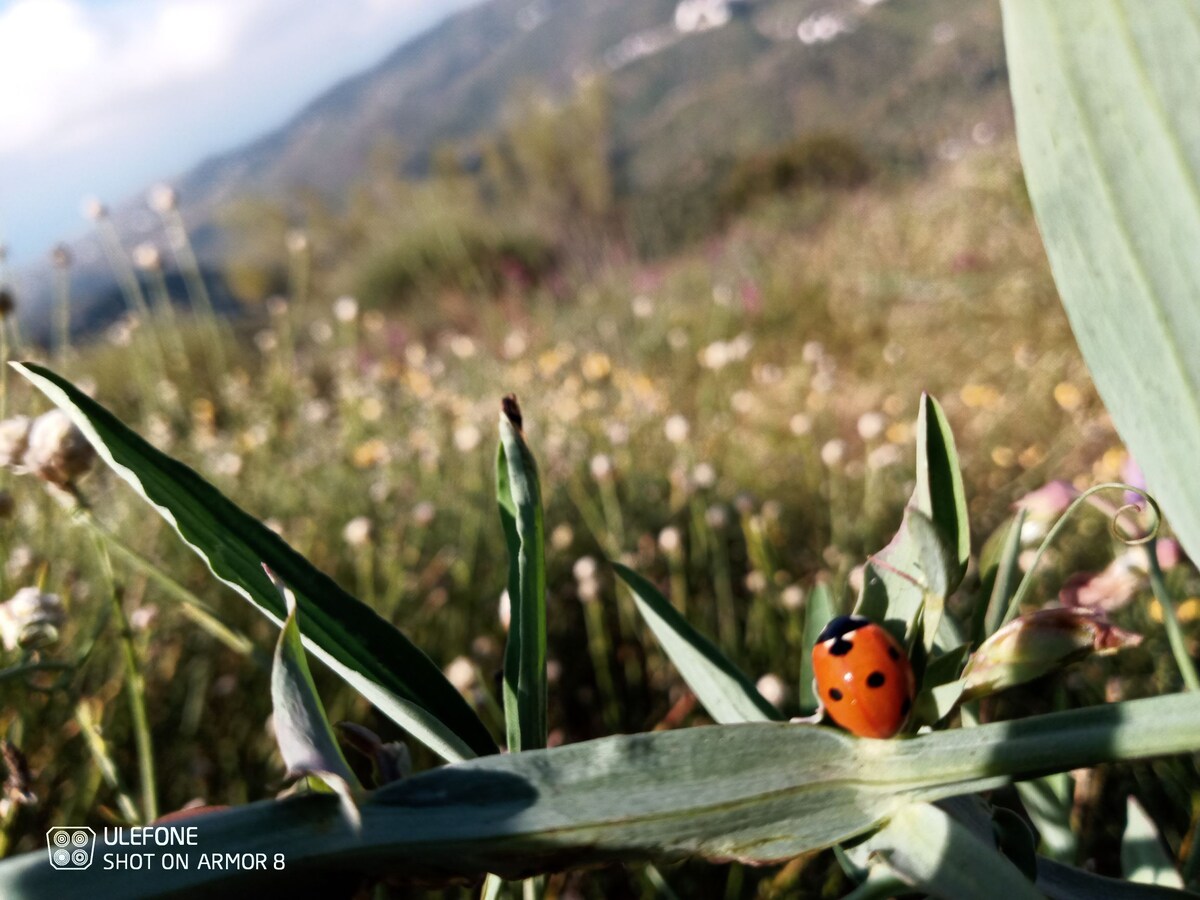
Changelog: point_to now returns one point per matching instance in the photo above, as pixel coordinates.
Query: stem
(1170, 621)
(104, 762)
(1014, 606)
(29, 668)
(191, 606)
(135, 688)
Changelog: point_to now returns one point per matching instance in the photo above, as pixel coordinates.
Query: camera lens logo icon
(70, 848)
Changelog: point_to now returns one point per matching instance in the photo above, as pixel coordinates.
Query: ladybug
(863, 677)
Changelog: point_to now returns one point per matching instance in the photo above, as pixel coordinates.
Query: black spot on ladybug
(876, 680)
(893, 653)
(905, 707)
(835, 694)
(841, 626)
(840, 647)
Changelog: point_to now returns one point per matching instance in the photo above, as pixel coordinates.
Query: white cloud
(105, 97)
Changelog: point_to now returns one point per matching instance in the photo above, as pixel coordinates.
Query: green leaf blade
(365, 649)
(726, 692)
(519, 495)
(1104, 95)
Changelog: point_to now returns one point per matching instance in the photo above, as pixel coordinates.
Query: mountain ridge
(901, 77)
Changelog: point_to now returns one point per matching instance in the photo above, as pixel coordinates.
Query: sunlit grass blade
(818, 610)
(366, 650)
(1000, 574)
(1175, 635)
(1144, 859)
(1048, 802)
(1104, 96)
(519, 495)
(726, 692)
(757, 792)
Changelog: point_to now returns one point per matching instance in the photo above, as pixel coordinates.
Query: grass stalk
(1183, 659)
(135, 689)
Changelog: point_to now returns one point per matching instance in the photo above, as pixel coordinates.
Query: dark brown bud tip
(512, 411)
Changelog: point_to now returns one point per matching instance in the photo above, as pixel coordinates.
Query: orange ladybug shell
(863, 677)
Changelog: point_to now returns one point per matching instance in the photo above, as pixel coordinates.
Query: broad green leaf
(1104, 95)
(1143, 858)
(758, 792)
(933, 852)
(906, 583)
(726, 692)
(373, 656)
(302, 730)
(519, 496)
(818, 610)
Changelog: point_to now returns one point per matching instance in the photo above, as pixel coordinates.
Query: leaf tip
(512, 411)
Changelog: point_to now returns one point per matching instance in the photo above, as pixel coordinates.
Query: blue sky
(105, 97)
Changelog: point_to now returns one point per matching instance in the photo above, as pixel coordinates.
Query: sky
(102, 98)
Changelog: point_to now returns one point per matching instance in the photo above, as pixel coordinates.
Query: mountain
(689, 82)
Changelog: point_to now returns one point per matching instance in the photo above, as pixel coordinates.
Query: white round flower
(792, 597)
(14, 439)
(585, 568)
(677, 429)
(871, 425)
(562, 537)
(162, 198)
(833, 452)
(643, 306)
(670, 540)
(357, 532)
(461, 674)
(30, 619)
(704, 475)
(772, 689)
(345, 309)
(467, 437)
(602, 467)
(57, 452)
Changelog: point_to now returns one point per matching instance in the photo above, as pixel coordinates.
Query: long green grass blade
(1105, 102)
(519, 495)
(366, 650)
(818, 610)
(758, 792)
(1144, 857)
(726, 692)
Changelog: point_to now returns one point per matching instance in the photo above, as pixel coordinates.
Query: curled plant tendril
(1026, 584)
(1132, 540)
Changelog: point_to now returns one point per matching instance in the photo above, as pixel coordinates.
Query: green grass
(771, 341)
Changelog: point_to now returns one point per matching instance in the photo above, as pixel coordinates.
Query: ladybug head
(841, 626)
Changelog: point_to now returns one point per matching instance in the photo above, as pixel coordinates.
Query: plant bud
(1029, 647)
(57, 452)
(30, 619)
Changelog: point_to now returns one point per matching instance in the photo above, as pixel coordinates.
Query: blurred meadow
(720, 385)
